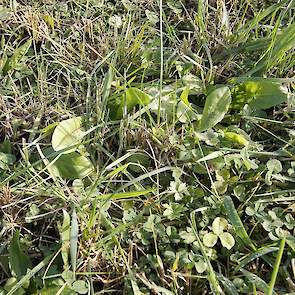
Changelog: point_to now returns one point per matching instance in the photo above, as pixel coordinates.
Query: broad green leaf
(236, 222)
(6, 147)
(209, 137)
(240, 192)
(185, 112)
(78, 186)
(169, 102)
(193, 83)
(216, 106)
(210, 239)
(249, 163)
(19, 262)
(17, 56)
(80, 287)
(74, 241)
(72, 166)
(267, 95)
(219, 225)
(133, 97)
(48, 129)
(227, 240)
(66, 134)
(291, 242)
(136, 96)
(259, 94)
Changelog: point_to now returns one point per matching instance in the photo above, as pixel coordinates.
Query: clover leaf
(219, 226)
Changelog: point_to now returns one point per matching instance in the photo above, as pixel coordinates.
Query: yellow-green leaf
(227, 240)
(219, 225)
(66, 134)
(72, 166)
(210, 239)
(236, 138)
(216, 106)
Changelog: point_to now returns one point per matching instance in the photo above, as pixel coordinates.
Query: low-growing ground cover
(147, 147)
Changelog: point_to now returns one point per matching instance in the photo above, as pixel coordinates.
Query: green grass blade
(236, 222)
(228, 285)
(65, 238)
(30, 274)
(74, 241)
(276, 267)
(283, 43)
(256, 281)
(125, 195)
(254, 255)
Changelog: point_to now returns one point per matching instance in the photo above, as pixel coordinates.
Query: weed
(147, 147)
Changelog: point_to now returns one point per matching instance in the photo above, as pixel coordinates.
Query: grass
(147, 147)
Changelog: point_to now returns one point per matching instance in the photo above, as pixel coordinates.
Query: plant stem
(276, 267)
(162, 63)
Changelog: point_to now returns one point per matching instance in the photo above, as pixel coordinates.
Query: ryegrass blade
(236, 222)
(228, 285)
(263, 14)
(204, 34)
(124, 195)
(74, 241)
(65, 238)
(260, 252)
(283, 43)
(30, 274)
(144, 176)
(107, 84)
(257, 281)
(276, 267)
(161, 65)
